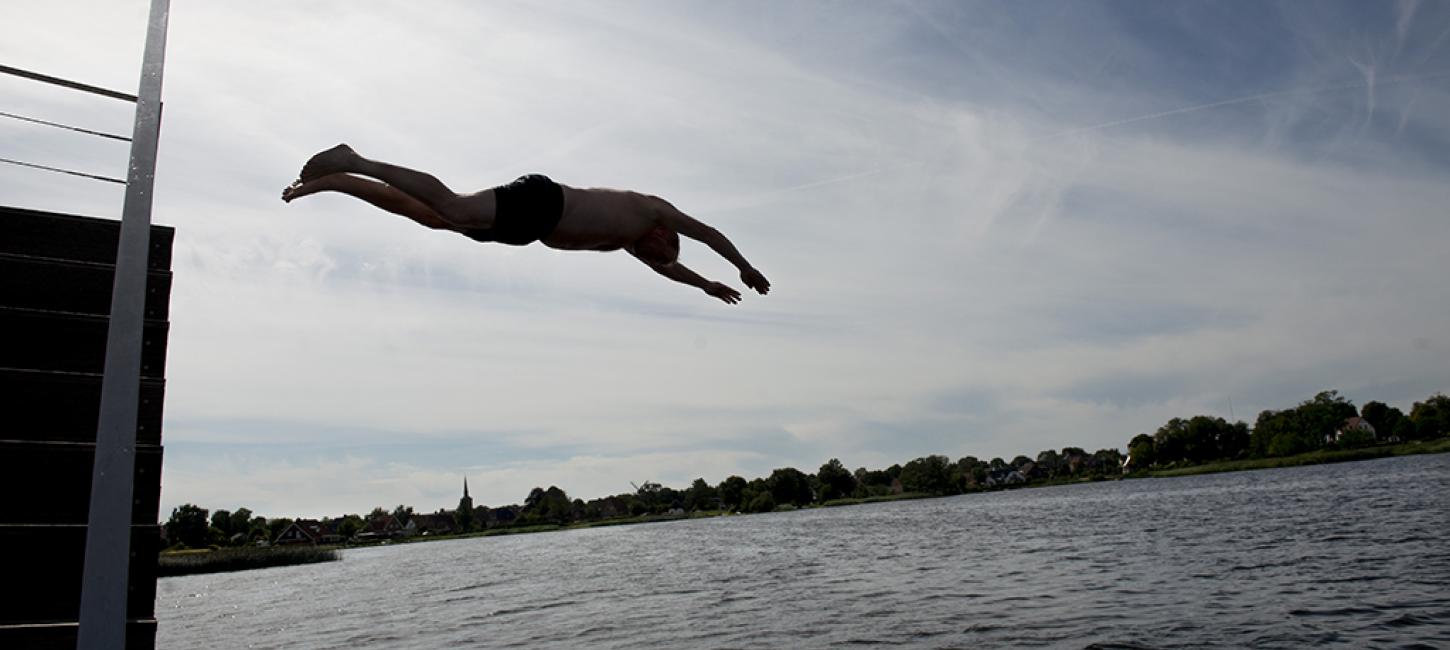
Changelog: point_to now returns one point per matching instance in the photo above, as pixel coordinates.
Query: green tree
(403, 514)
(760, 501)
(836, 480)
(241, 522)
(1074, 460)
(1202, 438)
(1431, 417)
(701, 496)
(276, 526)
(1233, 440)
(649, 497)
(1382, 417)
(732, 489)
(1404, 430)
(1108, 462)
(551, 506)
(1049, 461)
(592, 511)
(1171, 443)
(871, 483)
(1281, 433)
(956, 479)
(972, 472)
(751, 500)
(349, 525)
(929, 474)
(1141, 452)
(221, 520)
(1324, 415)
(188, 526)
(669, 499)
(532, 501)
(789, 485)
(463, 517)
(558, 508)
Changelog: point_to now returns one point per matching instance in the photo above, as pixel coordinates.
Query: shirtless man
(532, 208)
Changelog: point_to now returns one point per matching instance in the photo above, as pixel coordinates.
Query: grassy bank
(904, 496)
(1312, 458)
(179, 563)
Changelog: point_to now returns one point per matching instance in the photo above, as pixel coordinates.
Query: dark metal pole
(108, 532)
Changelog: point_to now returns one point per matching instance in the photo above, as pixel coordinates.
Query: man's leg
(378, 194)
(467, 211)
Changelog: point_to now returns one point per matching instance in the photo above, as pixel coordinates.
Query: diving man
(532, 208)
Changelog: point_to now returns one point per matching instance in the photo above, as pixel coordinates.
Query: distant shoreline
(225, 560)
(1320, 457)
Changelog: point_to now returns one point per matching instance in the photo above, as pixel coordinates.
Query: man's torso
(601, 219)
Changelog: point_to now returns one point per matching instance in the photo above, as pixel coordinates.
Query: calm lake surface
(1349, 555)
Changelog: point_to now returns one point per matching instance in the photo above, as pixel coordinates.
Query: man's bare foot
(326, 183)
(299, 189)
(335, 160)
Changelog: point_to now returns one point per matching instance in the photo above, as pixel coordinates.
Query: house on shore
(380, 527)
(1005, 477)
(310, 531)
(1351, 425)
(438, 523)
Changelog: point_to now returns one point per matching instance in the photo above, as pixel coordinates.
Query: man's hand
(753, 279)
(723, 292)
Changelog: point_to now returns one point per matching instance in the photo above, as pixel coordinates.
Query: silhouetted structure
(56, 275)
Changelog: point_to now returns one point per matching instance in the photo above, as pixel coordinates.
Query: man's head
(659, 246)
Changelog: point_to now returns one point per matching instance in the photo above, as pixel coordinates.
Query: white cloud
(983, 241)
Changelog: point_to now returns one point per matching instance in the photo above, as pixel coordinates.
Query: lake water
(1349, 555)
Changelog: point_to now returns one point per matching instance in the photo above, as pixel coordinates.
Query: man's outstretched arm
(690, 227)
(682, 274)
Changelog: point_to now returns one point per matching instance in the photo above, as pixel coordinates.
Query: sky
(993, 228)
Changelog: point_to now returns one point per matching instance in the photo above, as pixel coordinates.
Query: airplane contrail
(837, 179)
(762, 198)
(1241, 100)
(755, 199)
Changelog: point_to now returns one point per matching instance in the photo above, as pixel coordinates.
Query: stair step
(71, 237)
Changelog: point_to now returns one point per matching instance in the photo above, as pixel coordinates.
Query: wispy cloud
(993, 228)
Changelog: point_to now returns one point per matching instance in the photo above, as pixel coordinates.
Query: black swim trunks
(528, 209)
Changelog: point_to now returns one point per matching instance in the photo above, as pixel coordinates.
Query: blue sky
(993, 228)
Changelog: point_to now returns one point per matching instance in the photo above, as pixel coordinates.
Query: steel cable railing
(73, 85)
(67, 127)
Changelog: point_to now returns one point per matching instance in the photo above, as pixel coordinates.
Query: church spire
(464, 513)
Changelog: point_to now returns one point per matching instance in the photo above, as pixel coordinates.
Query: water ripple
(1349, 555)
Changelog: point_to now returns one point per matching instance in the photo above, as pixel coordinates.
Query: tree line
(1326, 421)
(192, 526)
